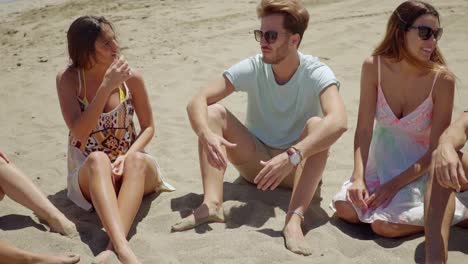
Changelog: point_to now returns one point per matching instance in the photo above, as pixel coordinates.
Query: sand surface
(180, 45)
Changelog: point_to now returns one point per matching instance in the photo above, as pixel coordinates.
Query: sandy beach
(180, 45)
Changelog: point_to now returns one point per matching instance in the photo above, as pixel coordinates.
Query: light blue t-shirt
(277, 114)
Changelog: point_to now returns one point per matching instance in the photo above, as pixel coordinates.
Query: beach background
(179, 46)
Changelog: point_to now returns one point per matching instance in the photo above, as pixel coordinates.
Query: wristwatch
(295, 156)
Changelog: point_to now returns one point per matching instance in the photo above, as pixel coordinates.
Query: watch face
(295, 158)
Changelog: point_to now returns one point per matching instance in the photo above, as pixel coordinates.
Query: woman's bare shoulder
(66, 73)
(67, 78)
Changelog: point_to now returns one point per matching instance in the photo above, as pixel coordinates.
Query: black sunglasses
(270, 36)
(426, 33)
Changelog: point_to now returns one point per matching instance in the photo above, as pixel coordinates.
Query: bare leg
(140, 177)
(13, 255)
(346, 211)
(392, 230)
(21, 189)
(96, 184)
(438, 214)
(221, 122)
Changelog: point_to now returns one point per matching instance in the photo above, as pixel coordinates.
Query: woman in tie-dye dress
(408, 91)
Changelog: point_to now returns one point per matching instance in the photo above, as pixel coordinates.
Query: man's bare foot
(294, 239)
(61, 224)
(50, 259)
(201, 215)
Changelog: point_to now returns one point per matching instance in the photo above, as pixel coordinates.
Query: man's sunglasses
(270, 36)
(426, 33)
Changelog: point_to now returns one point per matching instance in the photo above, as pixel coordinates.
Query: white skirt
(75, 162)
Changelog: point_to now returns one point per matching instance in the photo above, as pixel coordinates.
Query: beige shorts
(248, 170)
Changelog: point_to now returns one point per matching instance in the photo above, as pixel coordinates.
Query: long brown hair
(82, 36)
(393, 45)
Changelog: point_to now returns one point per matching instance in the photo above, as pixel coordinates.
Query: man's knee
(312, 123)
(217, 114)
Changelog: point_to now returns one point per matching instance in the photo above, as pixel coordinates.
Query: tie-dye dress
(397, 143)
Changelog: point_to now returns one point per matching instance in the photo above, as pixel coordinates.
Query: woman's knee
(135, 161)
(97, 159)
(346, 211)
(386, 229)
(136, 166)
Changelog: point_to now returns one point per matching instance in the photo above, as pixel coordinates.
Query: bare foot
(61, 224)
(126, 256)
(49, 259)
(294, 239)
(201, 215)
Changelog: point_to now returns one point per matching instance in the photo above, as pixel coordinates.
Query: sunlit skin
(17, 186)
(280, 49)
(422, 49)
(116, 188)
(405, 87)
(223, 137)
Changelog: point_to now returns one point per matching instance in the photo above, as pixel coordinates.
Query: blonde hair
(296, 16)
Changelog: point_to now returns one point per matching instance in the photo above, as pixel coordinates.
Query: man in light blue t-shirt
(294, 115)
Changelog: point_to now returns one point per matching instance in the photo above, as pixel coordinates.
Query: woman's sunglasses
(426, 33)
(270, 36)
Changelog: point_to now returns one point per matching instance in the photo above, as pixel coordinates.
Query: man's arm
(447, 166)
(456, 134)
(197, 108)
(318, 139)
(333, 124)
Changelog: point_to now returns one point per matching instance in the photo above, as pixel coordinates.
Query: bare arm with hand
(448, 168)
(197, 110)
(145, 119)
(357, 192)
(324, 133)
(80, 123)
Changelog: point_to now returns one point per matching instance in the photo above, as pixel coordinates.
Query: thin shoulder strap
(378, 69)
(79, 82)
(127, 93)
(85, 98)
(435, 80)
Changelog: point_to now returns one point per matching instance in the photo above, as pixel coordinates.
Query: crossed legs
(303, 182)
(117, 199)
(345, 211)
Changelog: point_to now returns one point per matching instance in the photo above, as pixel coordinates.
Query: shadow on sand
(251, 207)
(89, 225)
(16, 222)
(458, 242)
